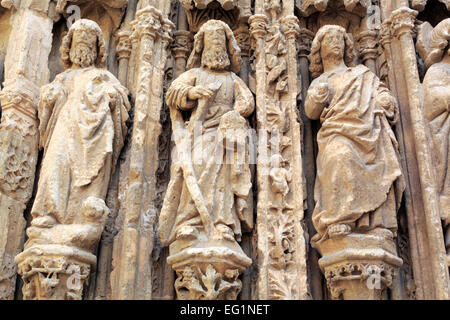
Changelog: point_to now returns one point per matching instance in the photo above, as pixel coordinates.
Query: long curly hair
(315, 58)
(234, 52)
(100, 62)
(439, 42)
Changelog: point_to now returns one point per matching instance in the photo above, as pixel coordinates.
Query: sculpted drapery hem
(225, 186)
(82, 133)
(358, 161)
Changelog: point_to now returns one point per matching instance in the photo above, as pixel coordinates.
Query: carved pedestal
(359, 266)
(55, 272)
(207, 269)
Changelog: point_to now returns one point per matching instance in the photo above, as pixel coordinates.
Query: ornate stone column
(426, 214)
(131, 277)
(368, 51)
(26, 69)
(123, 51)
(281, 243)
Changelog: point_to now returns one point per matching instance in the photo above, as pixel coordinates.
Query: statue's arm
(178, 95)
(436, 94)
(316, 99)
(49, 96)
(388, 103)
(244, 101)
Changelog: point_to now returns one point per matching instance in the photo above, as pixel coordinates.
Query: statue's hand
(385, 102)
(50, 94)
(199, 92)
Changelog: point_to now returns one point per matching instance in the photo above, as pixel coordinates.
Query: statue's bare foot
(225, 232)
(187, 233)
(339, 230)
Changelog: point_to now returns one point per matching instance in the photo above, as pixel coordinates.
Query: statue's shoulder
(436, 74)
(361, 68)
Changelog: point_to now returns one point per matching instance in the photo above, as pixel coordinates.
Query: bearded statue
(209, 200)
(82, 115)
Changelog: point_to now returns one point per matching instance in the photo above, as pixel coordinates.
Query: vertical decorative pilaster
(132, 274)
(26, 69)
(281, 239)
(368, 48)
(123, 52)
(425, 228)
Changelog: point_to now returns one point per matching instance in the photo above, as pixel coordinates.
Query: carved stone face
(333, 46)
(215, 54)
(83, 50)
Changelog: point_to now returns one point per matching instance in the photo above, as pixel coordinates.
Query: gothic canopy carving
(359, 7)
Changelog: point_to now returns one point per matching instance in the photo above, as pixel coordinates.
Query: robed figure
(436, 96)
(209, 194)
(82, 115)
(359, 178)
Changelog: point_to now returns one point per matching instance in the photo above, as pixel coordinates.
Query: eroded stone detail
(436, 85)
(352, 104)
(205, 213)
(83, 115)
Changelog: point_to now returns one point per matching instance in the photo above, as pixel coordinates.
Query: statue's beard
(83, 56)
(215, 58)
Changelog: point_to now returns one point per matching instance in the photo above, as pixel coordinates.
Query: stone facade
(224, 149)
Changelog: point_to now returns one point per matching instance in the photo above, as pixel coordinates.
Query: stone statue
(83, 115)
(209, 200)
(358, 162)
(436, 95)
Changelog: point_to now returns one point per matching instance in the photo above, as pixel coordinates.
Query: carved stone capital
(242, 35)
(367, 44)
(342, 277)
(183, 44)
(18, 100)
(168, 28)
(258, 25)
(54, 272)
(123, 49)
(199, 282)
(207, 270)
(385, 34)
(359, 266)
(291, 27)
(304, 42)
(402, 21)
(149, 22)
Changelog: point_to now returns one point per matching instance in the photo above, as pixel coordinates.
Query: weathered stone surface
(82, 115)
(436, 85)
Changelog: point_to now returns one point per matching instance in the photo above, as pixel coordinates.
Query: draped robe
(358, 161)
(225, 186)
(83, 115)
(436, 94)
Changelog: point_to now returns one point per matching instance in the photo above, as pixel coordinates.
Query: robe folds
(359, 177)
(225, 185)
(436, 94)
(82, 115)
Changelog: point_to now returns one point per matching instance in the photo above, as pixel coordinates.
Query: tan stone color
(436, 95)
(359, 181)
(209, 201)
(83, 115)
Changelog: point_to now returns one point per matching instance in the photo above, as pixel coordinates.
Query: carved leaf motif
(281, 285)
